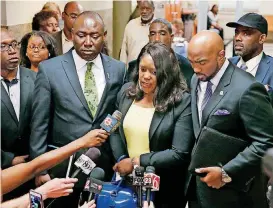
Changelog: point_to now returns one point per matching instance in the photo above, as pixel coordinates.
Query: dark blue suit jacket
(264, 73)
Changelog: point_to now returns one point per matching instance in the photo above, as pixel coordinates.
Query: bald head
(206, 54)
(73, 4)
(89, 17)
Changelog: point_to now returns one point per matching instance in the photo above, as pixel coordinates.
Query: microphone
(95, 185)
(86, 162)
(138, 182)
(111, 122)
(151, 182)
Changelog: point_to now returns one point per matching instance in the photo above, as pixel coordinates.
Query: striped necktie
(208, 95)
(90, 89)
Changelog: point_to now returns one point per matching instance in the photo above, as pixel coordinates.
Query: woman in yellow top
(156, 128)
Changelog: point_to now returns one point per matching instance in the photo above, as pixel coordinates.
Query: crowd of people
(59, 83)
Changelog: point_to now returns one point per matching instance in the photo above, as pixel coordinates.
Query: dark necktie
(243, 67)
(207, 96)
(10, 83)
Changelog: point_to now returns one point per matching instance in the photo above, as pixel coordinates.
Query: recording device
(151, 182)
(138, 182)
(111, 122)
(36, 199)
(92, 186)
(86, 162)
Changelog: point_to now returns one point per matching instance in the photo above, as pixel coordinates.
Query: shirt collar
(79, 62)
(64, 38)
(252, 62)
(17, 75)
(147, 24)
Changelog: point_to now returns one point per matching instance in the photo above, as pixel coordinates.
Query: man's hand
(41, 179)
(57, 187)
(213, 178)
(95, 138)
(124, 167)
(90, 204)
(19, 159)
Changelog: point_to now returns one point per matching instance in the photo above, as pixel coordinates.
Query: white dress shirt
(252, 64)
(14, 93)
(201, 89)
(66, 44)
(97, 70)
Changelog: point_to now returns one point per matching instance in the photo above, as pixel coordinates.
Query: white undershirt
(66, 44)
(14, 93)
(252, 64)
(97, 70)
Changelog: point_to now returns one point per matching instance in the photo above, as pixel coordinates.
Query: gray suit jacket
(264, 73)
(60, 110)
(250, 118)
(170, 140)
(15, 134)
(58, 38)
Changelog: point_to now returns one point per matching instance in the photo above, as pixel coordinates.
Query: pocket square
(221, 112)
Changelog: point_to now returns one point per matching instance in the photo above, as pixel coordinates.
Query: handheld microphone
(86, 162)
(111, 122)
(151, 182)
(138, 182)
(95, 185)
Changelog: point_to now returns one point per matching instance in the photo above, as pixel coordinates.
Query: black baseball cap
(252, 20)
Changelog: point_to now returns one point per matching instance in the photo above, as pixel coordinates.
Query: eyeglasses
(72, 15)
(6, 46)
(39, 47)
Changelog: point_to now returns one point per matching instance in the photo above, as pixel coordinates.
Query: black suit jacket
(15, 134)
(60, 110)
(171, 141)
(264, 73)
(184, 65)
(250, 118)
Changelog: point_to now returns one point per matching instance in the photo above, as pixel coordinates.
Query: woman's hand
(95, 138)
(124, 167)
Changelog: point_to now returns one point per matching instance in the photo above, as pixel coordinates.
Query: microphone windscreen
(150, 169)
(93, 153)
(97, 173)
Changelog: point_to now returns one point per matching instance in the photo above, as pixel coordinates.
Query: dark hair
(49, 42)
(164, 22)
(214, 5)
(170, 83)
(42, 16)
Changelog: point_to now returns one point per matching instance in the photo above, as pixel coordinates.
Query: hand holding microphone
(95, 138)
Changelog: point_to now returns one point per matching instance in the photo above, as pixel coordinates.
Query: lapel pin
(108, 76)
(221, 92)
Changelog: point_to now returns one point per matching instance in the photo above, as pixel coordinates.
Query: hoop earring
(48, 54)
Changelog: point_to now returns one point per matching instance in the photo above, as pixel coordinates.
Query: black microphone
(151, 182)
(111, 122)
(86, 162)
(95, 185)
(138, 182)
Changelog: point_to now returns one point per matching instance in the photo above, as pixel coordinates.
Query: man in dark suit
(250, 34)
(17, 84)
(74, 93)
(230, 101)
(64, 37)
(161, 30)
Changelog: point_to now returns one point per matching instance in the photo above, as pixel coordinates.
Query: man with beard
(230, 103)
(250, 35)
(136, 32)
(73, 94)
(17, 84)
(64, 37)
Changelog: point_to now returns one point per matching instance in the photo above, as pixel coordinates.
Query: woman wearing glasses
(36, 46)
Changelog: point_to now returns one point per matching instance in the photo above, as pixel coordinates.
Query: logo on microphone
(151, 181)
(85, 163)
(108, 121)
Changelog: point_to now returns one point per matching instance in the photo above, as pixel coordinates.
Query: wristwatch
(225, 176)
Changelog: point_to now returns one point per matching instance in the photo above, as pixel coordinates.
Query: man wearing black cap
(250, 34)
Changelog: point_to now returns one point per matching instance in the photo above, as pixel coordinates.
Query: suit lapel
(235, 60)
(195, 116)
(71, 73)
(24, 94)
(108, 78)
(157, 118)
(7, 102)
(218, 94)
(262, 69)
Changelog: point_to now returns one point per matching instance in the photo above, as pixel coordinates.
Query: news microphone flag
(111, 122)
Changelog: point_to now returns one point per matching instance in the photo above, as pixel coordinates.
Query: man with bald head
(228, 101)
(74, 92)
(64, 37)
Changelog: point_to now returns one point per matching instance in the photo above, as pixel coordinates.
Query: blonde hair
(179, 23)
